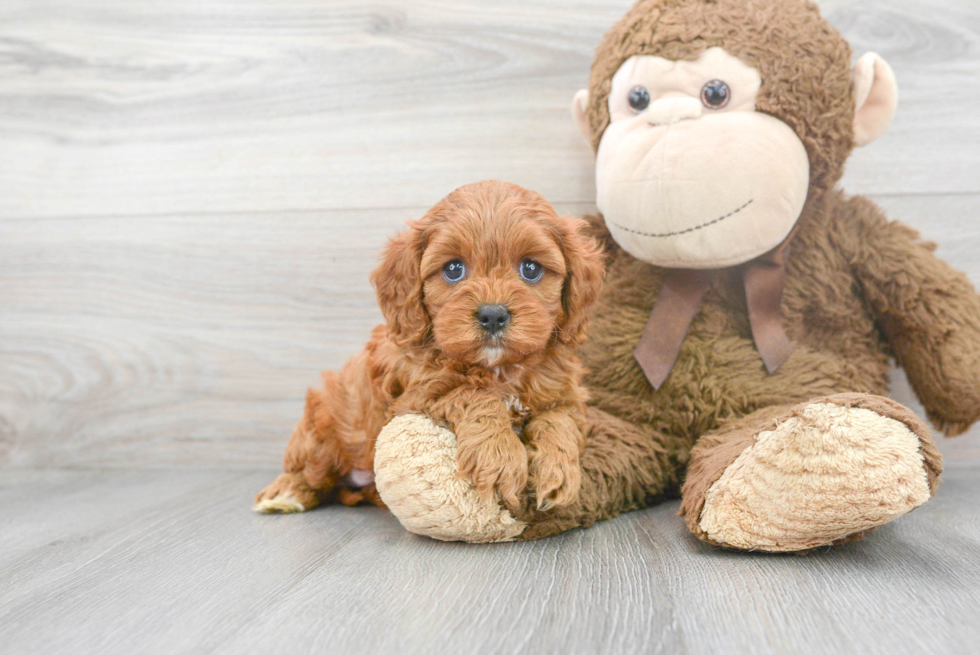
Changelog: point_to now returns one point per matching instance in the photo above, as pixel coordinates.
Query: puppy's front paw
(499, 463)
(556, 475)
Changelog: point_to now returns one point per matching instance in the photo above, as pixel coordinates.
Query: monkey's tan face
(688, 173)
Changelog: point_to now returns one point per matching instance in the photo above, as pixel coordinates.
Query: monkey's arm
(929, 312)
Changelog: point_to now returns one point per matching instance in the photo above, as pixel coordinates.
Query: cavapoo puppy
(485, 300)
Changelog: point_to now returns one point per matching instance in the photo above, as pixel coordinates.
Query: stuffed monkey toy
(740, 351)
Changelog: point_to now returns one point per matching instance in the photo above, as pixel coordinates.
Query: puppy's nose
(493, 318)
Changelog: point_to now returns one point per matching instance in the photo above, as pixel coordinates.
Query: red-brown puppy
(486, 299)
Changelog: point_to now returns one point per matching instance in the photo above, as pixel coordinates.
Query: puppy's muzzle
(493, 318)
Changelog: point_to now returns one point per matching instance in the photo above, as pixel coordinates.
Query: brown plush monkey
(740, 350)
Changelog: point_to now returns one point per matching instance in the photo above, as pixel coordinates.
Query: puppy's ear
(586, 268)
(398, 283)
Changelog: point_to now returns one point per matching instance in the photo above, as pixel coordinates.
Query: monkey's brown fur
(431, 355)
(860, 290)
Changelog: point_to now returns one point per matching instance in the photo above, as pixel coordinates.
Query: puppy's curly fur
(496, 388)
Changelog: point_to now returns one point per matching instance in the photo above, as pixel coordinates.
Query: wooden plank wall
(192, 194)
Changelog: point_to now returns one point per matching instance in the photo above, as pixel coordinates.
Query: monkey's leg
(797, 477)
(316, 459)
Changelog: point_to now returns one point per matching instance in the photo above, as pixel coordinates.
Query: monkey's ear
(580, 105)
(875, 98)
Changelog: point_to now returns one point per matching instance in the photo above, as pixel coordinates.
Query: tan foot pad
(281, 504)
(416, 475)
(824, 474)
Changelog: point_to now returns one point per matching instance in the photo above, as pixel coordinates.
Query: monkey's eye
(639, 98)
(454, 271)
(531, 271)
(715, 94)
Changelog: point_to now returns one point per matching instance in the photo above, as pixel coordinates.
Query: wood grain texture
(123, 108)
(175, 562)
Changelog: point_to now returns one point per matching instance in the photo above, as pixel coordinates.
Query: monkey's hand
(948, 380)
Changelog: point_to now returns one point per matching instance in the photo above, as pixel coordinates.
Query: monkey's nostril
(493, 318)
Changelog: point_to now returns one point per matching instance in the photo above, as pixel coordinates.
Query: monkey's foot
(822, 472)
(287, 495)
(417, 476)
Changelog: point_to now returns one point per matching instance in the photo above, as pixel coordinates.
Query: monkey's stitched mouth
(686, 230)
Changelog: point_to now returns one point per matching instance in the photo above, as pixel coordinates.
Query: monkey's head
(714, 121)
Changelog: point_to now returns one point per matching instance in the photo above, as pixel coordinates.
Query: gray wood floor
(192, 193)
(119, 561)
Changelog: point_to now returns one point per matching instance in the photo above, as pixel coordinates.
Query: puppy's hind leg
(315, 459)
(288, 494)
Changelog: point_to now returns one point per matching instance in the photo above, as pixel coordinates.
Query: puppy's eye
(715, 94)
(531, 271)
(454, 271)
(639, 98)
